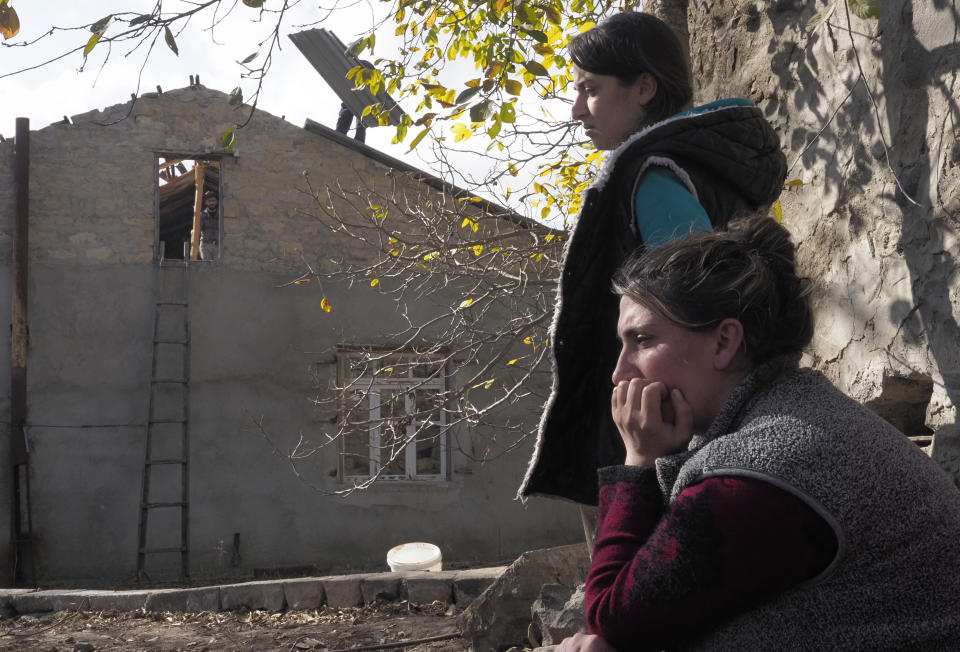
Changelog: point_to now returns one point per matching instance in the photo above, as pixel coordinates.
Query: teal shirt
(665, 208)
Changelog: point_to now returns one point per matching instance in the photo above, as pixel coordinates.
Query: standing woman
(672, 171)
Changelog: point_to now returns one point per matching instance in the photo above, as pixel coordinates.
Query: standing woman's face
(610, 110)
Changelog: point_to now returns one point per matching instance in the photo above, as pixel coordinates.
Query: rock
(558, 613)
(499, 617)
(946, 450)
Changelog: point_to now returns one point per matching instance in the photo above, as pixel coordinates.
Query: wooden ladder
(165, 490)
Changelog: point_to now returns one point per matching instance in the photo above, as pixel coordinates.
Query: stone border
(452, 587)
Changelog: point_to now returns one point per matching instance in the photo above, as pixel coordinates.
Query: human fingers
(651, 404)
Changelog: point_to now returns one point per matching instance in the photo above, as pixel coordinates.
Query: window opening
(395, 408)
(188, 208)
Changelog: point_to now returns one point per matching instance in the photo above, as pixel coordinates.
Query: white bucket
(417, 556)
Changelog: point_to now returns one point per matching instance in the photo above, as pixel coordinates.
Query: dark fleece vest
(895, 582)
(730, 159)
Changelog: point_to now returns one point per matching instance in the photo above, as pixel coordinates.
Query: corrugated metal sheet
(327, 54)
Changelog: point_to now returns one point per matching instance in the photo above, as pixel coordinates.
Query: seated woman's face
(610, 110)
(656, 349)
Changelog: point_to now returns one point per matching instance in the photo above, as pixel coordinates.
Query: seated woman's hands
(584, 643)
(652, 420)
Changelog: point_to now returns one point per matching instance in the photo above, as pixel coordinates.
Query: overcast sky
(292, 89)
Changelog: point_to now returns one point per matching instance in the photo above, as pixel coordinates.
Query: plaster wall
(261, 346)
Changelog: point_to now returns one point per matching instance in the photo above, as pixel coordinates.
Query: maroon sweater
(662, 576)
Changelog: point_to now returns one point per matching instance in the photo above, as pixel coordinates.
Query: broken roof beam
(328, 55)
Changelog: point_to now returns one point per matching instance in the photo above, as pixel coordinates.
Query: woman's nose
(579, 107)
(625, 370)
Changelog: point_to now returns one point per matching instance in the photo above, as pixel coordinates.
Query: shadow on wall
(912, 76)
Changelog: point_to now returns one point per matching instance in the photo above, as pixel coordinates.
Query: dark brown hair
(631, 43)
(747, 272)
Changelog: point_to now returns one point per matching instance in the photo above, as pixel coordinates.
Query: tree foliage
(472, 284)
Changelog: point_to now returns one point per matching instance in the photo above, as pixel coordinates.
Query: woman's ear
(645, 88)
(729, 343)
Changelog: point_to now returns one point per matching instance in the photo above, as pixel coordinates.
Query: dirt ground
(328, 629)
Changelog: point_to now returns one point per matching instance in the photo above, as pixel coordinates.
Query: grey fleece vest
(895, 583)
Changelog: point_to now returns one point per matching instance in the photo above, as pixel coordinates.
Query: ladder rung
(172, 504)
(171, 341)
(167, 461)
(168, 421)
(147, 551)
(182, 381)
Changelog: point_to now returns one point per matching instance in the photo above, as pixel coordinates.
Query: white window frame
(408, 384)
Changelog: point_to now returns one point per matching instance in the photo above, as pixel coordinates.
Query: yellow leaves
(513, 86)
(9, 21)
(461, 132)
(486, 384)
(416, 141)
(514, 361)
(228, 139)
(466, 303)
(477, 249)
(325, 304)
(794, 183)
(777, 211)
(374, 282)
(91, 43)
(302, 281)
(467, 222)
(98, 29)
(586, 26)
(431, 255)
(549, 238)
(552, 15)
(431, 19)
(500, 6)
(528, 340)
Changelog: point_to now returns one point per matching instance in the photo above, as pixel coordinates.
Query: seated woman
(758, 508)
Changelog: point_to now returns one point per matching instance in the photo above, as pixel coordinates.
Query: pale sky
(292, 89)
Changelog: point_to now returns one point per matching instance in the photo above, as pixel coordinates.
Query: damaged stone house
(223, 355)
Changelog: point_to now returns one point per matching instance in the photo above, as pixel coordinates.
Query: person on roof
(210, 226)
